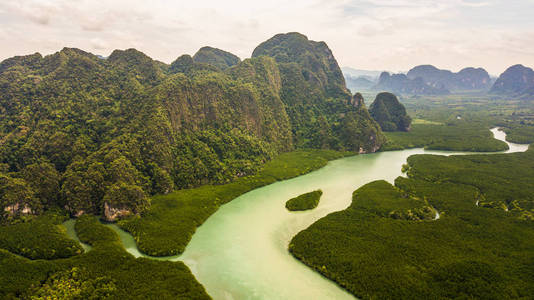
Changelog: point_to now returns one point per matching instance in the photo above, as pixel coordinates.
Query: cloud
(36, 12)
(475, 3)
(98, 44)
(373, 34)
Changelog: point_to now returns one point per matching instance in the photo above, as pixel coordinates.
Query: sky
(393, 35)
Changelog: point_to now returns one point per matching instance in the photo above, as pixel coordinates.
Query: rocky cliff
(317, 100)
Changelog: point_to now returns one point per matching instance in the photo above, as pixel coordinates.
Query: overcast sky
(390, 35)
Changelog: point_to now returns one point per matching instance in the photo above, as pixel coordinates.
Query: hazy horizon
(368, 35)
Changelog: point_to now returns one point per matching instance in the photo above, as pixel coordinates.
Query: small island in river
(305, 201)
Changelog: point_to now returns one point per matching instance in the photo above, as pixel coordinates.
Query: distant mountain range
(467, 79)
(516, 81)
(401, 84)
(359, 83)
(420, 80)
(355, 73)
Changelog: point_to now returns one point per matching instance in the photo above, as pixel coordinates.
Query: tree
(44, 180)
(17, 197)
(162, 182)
(128, 196)
(83, 187)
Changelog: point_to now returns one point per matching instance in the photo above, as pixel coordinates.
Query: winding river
(240, 252)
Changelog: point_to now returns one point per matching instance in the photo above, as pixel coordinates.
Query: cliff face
(317, 100)
(107, 133)
(390, 113)
(314, 59)
(516, 81)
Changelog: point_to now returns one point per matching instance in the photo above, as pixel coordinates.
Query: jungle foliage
(519, 133)
(482, 247)
(515, 116)
(305, 201)
(454, 137)
(105, 272)
(40, 237)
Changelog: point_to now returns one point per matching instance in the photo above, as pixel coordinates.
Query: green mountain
(317, 100)
(100, 135)
(216, 57)
(390, 113)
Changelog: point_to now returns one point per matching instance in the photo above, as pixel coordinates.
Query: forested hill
(319, 105)
(100, 135)
(216, 57)
(390, 113)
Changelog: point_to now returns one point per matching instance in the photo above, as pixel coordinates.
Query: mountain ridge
(401, 84)
(130, 125)
(466, 79)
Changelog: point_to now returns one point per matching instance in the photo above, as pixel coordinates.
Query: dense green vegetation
(42, 237)
(504, 180)
(75, 284)
(381, 199)
(514, 115)
(390, 113)
(107, 271)
(520, 134)
(305, 201)
(100, 136)
(482, 247)
(461, 122)
(168, 225)
(95, 127)
(453, 137)
(216, 57)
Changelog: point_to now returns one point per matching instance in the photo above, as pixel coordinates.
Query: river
(240, 252)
